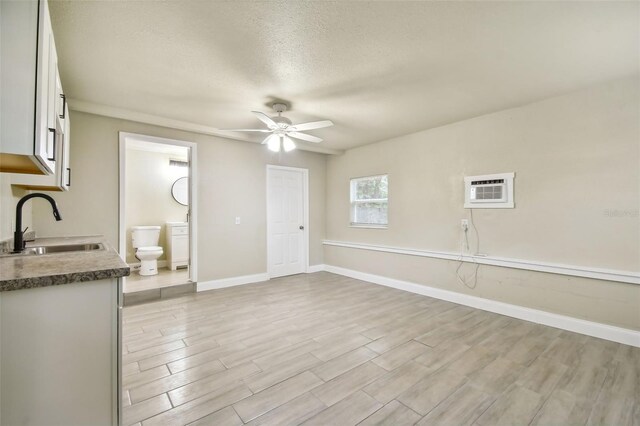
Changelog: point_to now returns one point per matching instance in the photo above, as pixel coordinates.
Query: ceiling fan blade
(246, 130)
(313, 125)
(304, 137)
(265, 119)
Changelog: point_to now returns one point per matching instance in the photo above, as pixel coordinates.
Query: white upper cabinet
(61, 106)
(32, 107)
(61, 179)
(65, 164)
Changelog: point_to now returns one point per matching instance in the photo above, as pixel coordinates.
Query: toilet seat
(148, 249)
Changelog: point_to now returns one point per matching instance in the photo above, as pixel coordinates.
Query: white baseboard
(316, 268)
(247, 279)
(590, 328)
(232, 281)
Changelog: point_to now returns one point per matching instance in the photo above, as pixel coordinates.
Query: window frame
(352, 201)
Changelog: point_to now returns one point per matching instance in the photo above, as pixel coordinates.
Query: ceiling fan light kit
(282, 129)
(273, 143)
(288, 144)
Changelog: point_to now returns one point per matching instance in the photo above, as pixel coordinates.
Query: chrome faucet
(18, 241)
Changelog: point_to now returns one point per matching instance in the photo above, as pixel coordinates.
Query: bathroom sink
(66, 248)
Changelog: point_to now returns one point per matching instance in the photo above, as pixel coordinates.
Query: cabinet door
(66, 150)
(61, 180)
(52, 101)
(61, 101)
(61, 346)
(63, 170)
(45, 135)
(180, 248)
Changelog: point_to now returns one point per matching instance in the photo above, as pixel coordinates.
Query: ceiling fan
(282, 130)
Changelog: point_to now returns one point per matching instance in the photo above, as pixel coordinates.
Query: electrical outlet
(464, 223)
(237, 220)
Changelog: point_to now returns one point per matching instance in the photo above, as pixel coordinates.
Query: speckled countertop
(19, 271)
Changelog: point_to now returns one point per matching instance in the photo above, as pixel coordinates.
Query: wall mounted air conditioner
(489, 191)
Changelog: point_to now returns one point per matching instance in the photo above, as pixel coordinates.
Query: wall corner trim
(576, 325)
(232, 281)
(628, 277)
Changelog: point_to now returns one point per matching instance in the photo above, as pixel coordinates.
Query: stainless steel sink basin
(66, 248)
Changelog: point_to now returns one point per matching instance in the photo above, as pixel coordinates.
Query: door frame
(305, 203)
(193, 195)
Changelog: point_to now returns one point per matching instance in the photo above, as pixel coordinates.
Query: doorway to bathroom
(158, 217)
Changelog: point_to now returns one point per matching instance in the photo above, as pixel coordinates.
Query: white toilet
(145, 240)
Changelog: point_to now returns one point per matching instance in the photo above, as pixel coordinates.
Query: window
(370, 201)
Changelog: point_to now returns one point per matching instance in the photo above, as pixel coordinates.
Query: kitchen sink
(66, 248)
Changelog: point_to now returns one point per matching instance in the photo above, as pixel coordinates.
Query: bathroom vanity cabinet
(33, 108)
(177, 245)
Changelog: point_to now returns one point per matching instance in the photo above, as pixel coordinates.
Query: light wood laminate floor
(322, 349)
(164, 278)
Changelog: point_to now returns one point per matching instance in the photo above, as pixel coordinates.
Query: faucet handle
(22, 241)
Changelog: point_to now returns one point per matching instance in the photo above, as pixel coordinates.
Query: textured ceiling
(377, 69)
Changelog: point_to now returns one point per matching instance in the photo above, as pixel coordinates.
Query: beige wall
(576, 193)
(9, 197)
(148, 198)
(577, 188)
(231, 182)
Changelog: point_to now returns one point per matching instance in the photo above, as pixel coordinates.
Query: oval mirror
(180, 191)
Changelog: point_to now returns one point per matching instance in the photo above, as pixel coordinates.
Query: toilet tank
(145, 236)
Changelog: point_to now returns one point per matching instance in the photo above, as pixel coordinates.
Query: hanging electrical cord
(474, 275)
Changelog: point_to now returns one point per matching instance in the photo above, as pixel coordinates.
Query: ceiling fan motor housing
(282, 121)
(279, 107)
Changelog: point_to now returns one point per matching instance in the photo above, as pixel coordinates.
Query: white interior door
(286, 239)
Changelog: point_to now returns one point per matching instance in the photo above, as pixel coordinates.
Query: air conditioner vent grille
(489, 191)
(486, 182)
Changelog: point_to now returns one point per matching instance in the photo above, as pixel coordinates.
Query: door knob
(301, 227)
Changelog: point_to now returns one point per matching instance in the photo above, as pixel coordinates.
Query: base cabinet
(59, 354)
